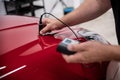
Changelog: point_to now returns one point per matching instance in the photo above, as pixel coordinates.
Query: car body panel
(26, 55)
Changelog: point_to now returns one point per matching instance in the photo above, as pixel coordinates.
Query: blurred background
(103, 25)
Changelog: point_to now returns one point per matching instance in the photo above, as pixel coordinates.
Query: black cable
(41, 25)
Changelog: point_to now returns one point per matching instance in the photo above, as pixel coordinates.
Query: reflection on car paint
(13, 71)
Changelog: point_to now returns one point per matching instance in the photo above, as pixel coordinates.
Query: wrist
(112, 52)
(115, 52)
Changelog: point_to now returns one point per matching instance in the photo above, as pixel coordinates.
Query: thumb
(75, 47)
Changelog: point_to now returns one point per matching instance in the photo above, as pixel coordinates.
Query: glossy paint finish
(25, 55)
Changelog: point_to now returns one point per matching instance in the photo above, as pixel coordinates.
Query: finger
(77, 58)
(72, 58)
(68, 58)
(76, 47)
(48, 28)
(45, 29)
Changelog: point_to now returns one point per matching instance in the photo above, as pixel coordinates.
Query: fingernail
(41, 32)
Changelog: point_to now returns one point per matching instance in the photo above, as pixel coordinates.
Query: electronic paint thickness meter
(62, 46)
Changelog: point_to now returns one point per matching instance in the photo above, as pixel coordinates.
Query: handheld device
(62, 46)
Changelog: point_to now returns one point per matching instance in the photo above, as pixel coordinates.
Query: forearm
(89, 10)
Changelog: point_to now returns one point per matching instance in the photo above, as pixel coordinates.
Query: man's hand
(50, 24)
(88, 52)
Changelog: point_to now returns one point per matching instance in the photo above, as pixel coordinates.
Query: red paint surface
(20, 45)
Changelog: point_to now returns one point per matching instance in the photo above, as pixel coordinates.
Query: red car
(25, 55)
